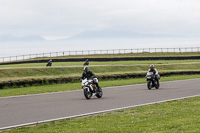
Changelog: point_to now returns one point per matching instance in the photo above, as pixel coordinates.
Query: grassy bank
(169, 117)
(17, 73)
(101, 63)
(77, 86)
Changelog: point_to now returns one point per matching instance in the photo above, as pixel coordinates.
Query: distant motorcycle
(86, 62)
(152, 81)
(90, 89)
(49, 63)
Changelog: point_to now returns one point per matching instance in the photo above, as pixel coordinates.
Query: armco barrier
(31, 82)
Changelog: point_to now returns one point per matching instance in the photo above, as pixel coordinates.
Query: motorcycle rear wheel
(157, 85)
(99, 93)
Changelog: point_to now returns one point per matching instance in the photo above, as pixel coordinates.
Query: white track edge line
(92, 113)
(81, 90)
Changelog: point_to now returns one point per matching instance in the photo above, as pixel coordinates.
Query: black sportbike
(152, 80)
(86, 64)
(49, 64)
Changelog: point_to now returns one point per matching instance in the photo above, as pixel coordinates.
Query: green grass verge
(169, 117)
(19, 73)
(77, 86)
(100, 63)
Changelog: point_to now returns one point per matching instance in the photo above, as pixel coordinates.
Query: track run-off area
(39, 108)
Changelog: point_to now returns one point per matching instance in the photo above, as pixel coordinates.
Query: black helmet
(86, 69)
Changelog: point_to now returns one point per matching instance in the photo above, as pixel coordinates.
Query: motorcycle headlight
(86, 83)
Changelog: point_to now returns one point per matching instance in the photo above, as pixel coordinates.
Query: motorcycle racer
(155, 72)
(89, 75)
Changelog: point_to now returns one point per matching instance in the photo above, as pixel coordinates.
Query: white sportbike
(90, 89)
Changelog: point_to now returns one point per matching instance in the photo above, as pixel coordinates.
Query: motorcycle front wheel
(149, 84)
(87, 93)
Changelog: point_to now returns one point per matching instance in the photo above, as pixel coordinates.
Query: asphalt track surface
(25, 110)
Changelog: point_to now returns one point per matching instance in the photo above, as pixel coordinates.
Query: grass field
(7, 73)
(100, 63)
(77, 86)
(168, 117)
(159, 54)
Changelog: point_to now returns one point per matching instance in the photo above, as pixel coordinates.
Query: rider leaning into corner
(155, 72)
(89, 75)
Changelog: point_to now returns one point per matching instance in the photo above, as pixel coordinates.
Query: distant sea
(24, 48)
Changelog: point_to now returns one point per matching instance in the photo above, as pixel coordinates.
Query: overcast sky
(63, 18)
(55, 19)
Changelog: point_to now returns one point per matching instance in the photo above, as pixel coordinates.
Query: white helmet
(151, 66)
